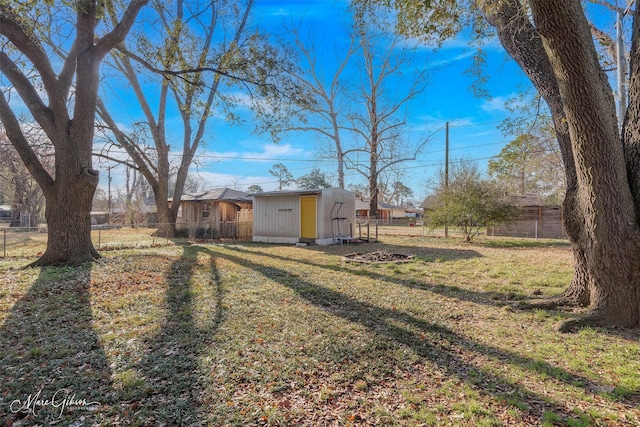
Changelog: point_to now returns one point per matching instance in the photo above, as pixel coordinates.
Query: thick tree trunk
(68, 192)
(523, 43)
(631, 127)
(610, 241)
(68, 215)
(599, 210)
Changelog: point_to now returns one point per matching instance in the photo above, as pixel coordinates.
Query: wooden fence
(540, 222)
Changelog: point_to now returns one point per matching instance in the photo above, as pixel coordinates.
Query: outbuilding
(321, 217)
(221, 212)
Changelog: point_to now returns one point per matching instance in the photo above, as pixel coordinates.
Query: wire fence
(25, 242)
(30, 241)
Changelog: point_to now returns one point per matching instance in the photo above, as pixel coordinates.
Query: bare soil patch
(377, 257)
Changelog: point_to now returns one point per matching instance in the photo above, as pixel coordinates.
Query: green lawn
(246, 334)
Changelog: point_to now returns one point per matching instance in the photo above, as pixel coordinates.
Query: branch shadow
(171, 366)
(496, 299)
(438, 344)
(52, 365)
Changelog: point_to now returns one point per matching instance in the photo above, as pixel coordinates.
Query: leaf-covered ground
(250, 335)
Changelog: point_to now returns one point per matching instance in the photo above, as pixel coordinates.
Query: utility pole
(622, 64)
(622, 70)
(446, 174)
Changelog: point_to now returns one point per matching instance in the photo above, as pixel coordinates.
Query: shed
(214, 210)
(322, 216)
(217, 205)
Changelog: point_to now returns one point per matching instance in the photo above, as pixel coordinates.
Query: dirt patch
(377, 257)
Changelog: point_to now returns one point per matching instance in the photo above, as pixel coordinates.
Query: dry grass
(247, 334)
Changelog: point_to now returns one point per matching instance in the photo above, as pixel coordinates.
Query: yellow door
(308, 217)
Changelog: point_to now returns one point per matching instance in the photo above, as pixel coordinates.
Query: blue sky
(235, 157)
(473, 122)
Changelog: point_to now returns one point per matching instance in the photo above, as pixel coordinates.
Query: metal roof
(219, 194)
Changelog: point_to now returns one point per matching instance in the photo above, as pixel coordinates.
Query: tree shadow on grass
(173, 378)
(449, 350)
(52, 366)
(498, 299)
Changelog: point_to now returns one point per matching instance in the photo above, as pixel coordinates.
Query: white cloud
(451, 60)
(268, 152)
(497, 103)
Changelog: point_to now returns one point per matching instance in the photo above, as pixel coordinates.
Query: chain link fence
(31, 241)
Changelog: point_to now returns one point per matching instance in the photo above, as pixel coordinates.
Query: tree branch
(29, 95)
(118, 34)
(12, 31)
(180, 73)
(26, 153)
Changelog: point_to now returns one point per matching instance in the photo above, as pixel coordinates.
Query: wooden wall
(543, 222)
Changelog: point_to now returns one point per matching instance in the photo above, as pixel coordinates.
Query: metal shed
(322, 216)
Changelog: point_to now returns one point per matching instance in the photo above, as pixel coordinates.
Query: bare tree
(325, 113)
(334, 110)
(187, 42)
(26, 196)
(61, 97)
(378, 127)
(200, 56)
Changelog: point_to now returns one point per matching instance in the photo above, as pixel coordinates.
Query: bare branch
(28, 93)
(118, 34)
(26, 153)
(610, 6)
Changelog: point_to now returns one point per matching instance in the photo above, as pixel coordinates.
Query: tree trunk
(599, 210)
(69, 192)
(166, 217)
(340, 169)
(68, 214)
(373, 192)
(523, 43)
(610, 243)
(631, 126)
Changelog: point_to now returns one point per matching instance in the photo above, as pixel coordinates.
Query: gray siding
(276, 216)
(327, 200)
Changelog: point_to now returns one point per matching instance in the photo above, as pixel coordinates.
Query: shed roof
(219, 194)
(296, 192)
